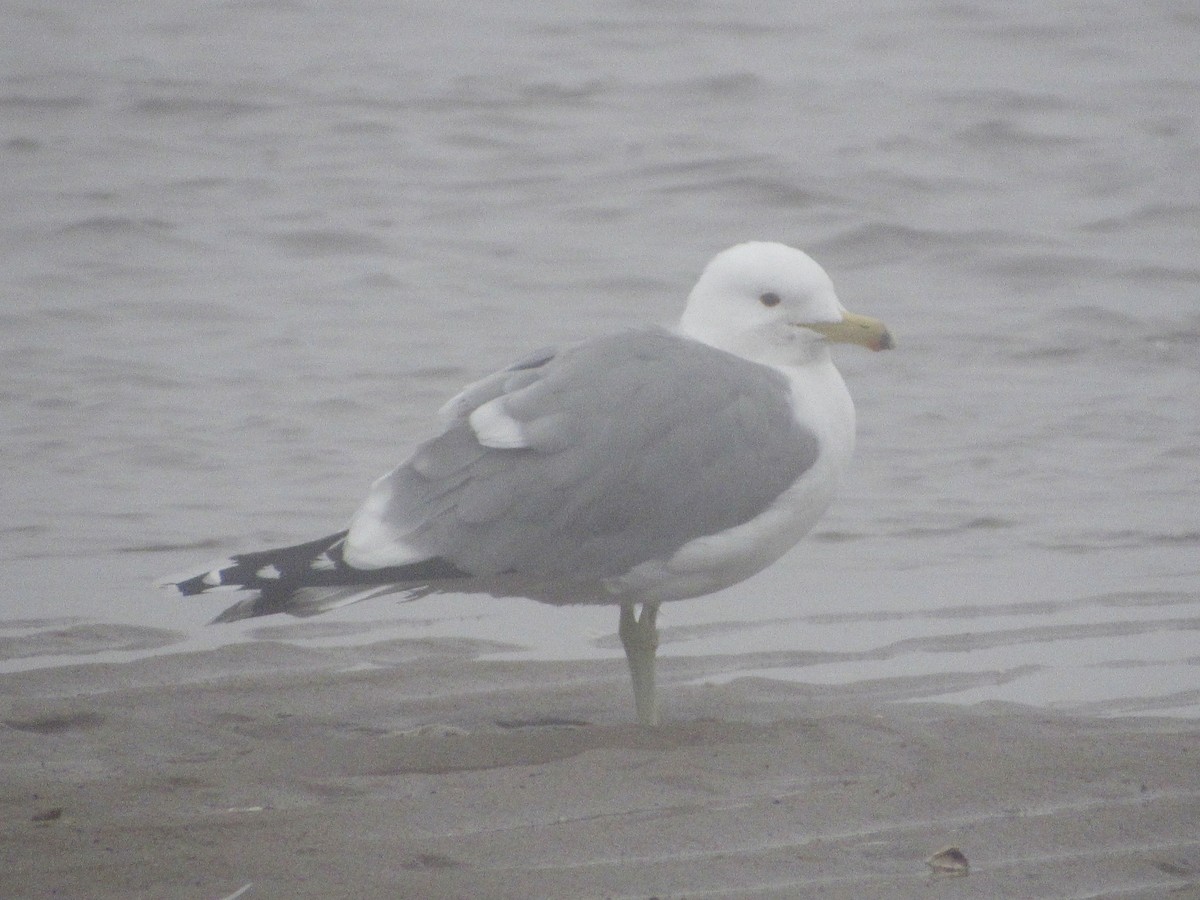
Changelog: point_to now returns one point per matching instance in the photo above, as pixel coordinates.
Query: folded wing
(581, 464)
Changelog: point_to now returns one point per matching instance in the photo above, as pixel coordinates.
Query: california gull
(651, 465)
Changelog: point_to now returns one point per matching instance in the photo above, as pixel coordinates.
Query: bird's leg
(639, 636)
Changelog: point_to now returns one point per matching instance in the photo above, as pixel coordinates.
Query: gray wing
(589, 461)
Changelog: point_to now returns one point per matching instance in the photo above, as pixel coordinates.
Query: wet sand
(418, 769)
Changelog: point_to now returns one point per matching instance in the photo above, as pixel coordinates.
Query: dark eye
(770, 298)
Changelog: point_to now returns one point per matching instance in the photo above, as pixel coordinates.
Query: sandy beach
(417, 769)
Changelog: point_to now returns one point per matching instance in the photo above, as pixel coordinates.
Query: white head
(774, 304)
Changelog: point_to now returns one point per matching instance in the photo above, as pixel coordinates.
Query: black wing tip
(264, 604)
(274, 577)
(190, 587)
(246, 570)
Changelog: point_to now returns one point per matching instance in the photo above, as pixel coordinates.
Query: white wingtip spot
(495, 428)
(270, 571)
(213, 578)
(323, 563)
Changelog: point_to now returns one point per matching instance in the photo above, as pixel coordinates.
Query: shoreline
(416, 768)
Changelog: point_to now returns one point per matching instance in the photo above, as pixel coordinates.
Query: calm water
(248, 248)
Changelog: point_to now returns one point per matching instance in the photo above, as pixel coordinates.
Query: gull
(650, 465)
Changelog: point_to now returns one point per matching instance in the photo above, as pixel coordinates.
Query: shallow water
(249, 248)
